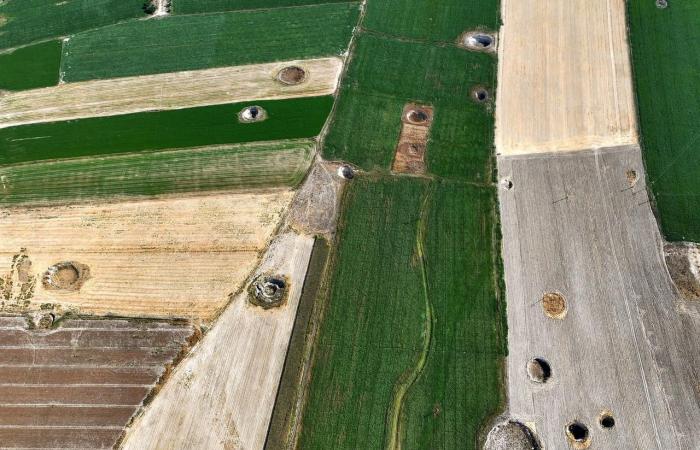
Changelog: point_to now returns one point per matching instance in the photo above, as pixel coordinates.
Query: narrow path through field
(411, 376)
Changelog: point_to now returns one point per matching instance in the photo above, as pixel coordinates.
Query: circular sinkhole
(511, 435)
(252, 114)
(480, 94)
(632, 177)
(346, 172)
(479, 41)
(554, 305)
(268, 291)
(661, 4)
(291, 75)
(539, 370)
(66, 276)
(507, 184)
(578, 434)
(417, 116)
(606, 420)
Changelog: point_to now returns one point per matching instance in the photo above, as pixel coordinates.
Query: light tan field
(222, 395)
(158, 258)
(564, 78)
(167, 91)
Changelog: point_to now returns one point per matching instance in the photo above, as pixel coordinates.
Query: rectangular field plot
(207, 169)
(202, 41)
(666, 58)
(30, 67)
(384, 75)
(206, 6)
(442, 21)
(25, 21)
(193, 127)
(412, 354)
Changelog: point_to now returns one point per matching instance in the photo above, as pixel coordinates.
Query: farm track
(403, 388)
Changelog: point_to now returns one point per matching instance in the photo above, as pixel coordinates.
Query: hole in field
(539, 370)
(417, 116)
(511, 435)
(480, 94)
(661, 4)
(252, 114)
(68, 275)
(606, 420)
(632, 177)
(480, 41)
(554, 305)
(578, 432)
(291, 75)
(268, 291)
(507, 184)
(346, 172)
(149, 7)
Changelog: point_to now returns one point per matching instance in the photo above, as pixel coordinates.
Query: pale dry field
(222, 395)
(564, 81)
(158, 258)
(167, 91)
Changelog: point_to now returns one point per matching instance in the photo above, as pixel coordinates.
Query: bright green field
(209, 40)
(31, 67)
(204, 6)
(429, 326)
(666, 57)
(266, 164)
(385, 74)
(432, 20)
(28, 21)
(193, 127)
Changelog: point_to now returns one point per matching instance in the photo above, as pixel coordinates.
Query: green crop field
(442, 21)
(666, 58)
(384, 74)
(209, 40)
(23, 22)
(413, 352)
(205, 6)
(193, 127)
(265, 164)
(31, 67)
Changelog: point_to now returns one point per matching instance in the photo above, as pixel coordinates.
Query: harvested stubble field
(25, 21)
(384, 74)
(192, 127)
(412, 354)
(208, 40)
(666, 58)
(30, 67)
(208, 6)
(177, 90)
(207, 169)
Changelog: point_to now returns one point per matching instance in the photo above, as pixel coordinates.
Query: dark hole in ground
(417, 116)
(539, 370)
(479, 41)
(346, 172)
(254, 112)
(268, 291)
(480, 94)
(507, 184)
(577, 431)
(607, 420)
(149, 8)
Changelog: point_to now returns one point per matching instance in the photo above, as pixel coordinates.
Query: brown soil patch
(554, 305)
(632, 177)
(683, 262)
(67, 276)
(292, 75)
(410, 150)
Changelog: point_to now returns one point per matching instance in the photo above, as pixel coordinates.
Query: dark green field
(28, 21)
(146, 174)
(436, 21)
(193, 127)
(31, 67)
(666, 58)
(202, 41)
(385, 74)
(205, 6)
(422, 335)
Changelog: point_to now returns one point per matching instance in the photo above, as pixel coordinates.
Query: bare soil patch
(554, 305)
(292, 75)
(683, 262)
(632, 177)
(511, 435)
(66, 276)
(413, 139)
